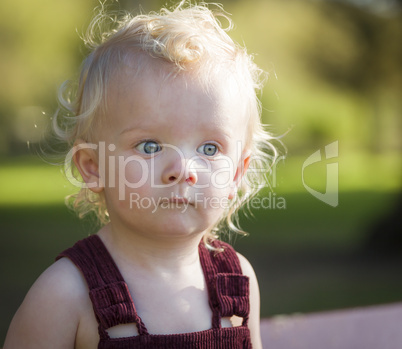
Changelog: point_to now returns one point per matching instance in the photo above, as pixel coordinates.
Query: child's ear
(242, 167)
(86, 161)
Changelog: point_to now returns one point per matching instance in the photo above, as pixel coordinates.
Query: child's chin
(179, 226)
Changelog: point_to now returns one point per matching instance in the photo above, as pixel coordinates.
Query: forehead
(155, 94)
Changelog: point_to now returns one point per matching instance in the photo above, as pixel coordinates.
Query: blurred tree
(384, 6)
(339, 70)
(369, 62)
(39, 50)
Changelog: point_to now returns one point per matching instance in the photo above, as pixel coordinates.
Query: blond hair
(186, 36)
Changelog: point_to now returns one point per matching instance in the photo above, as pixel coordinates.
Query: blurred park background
(335, 75)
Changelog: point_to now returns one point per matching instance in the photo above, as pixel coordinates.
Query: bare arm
(254, 320)
(49, 315)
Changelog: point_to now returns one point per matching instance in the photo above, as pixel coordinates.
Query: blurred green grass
(32, 184)
(30, 180)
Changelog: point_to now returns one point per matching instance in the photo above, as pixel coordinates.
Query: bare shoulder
(248, 270)
(246, 266)
(254, 320)
(51, 311)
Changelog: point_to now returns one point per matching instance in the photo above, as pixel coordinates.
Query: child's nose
(179, 171)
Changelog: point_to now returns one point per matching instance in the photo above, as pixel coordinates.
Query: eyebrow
(127, 130)
(131, 128)
(136, 124)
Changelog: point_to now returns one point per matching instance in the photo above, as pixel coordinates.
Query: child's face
(173, 152)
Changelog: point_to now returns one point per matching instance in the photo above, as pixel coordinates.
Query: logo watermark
(268, 202)
(330, 196)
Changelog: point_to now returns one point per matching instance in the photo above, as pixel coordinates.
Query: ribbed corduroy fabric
(228, 292)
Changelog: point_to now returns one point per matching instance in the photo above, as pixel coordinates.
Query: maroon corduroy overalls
(228, 292)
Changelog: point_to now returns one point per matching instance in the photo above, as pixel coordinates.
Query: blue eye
(208, 149)
(148, 147)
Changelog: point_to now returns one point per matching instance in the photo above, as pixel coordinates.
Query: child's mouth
(178, 200)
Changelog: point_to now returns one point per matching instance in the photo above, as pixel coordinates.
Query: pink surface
(377, 327)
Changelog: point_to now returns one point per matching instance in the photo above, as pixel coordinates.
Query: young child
(165, 132)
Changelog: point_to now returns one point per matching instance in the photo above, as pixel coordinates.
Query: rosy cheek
(222, 173)
(127, 174)
(215, 174)
(137, 176)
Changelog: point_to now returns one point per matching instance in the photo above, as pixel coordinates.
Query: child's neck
(151, 255)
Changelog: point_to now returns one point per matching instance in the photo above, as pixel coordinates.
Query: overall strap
(228, 288)
(108, 291)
